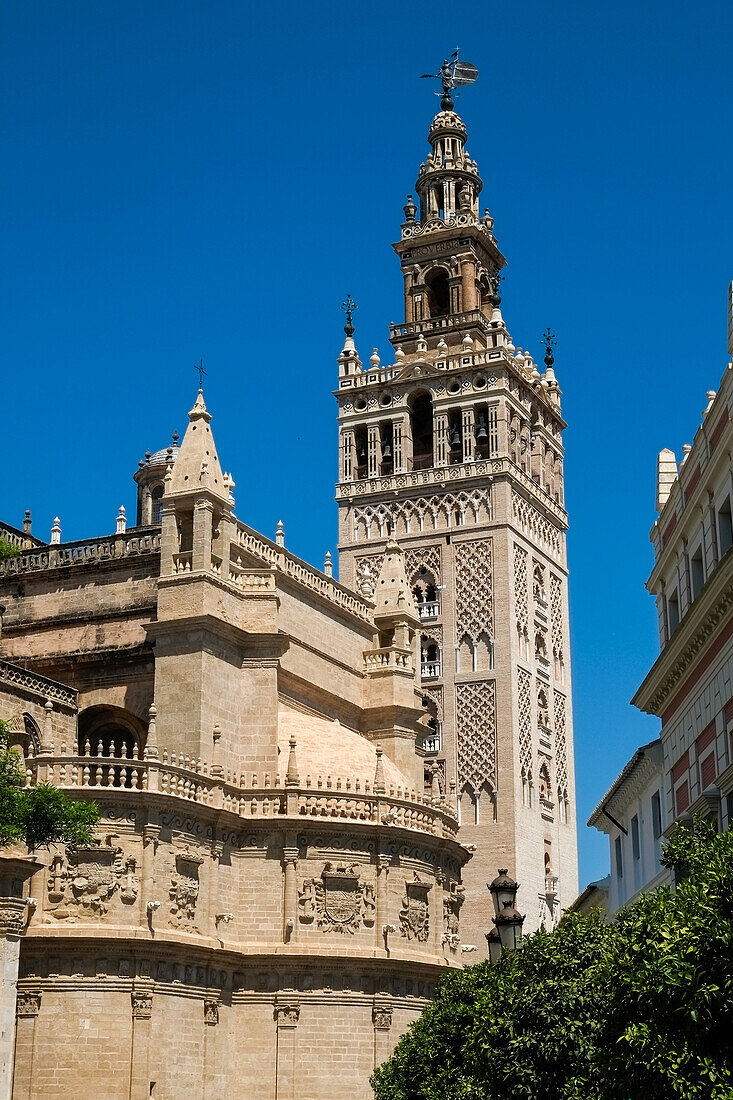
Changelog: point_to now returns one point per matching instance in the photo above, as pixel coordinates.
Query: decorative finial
(548, 339)
(348, 307)
(496, 289)
(200, 368)
(452, 74)
(280, 533)
(175, 439)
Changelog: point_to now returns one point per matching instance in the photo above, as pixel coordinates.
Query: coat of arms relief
(415, 911)
(85, 879)
(338, 901)
(184, 889)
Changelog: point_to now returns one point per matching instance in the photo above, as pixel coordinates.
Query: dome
(448, 120)
(160, 458)
(326, 748)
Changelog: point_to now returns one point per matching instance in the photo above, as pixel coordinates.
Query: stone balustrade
(100, 773)
(86, 551)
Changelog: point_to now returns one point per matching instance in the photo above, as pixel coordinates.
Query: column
(287, 1014)
(12, 926)
(27, 1009)
(382, 1021)
(469, 438)
(398, 445)
(468, 285)
(147, 885)
(409, 316)
(383, 865)
(142, 1011)
(290, 906)
(440, 439)
(374, 450)
(147, 507)
(203, 518)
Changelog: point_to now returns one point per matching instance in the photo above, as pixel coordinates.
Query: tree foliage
(642, 1007)
(7, 550)
(38, 815)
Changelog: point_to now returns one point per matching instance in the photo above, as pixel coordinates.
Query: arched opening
(156, 499)
(107, 732)
(429, 660)
(421, 416)
(360, 438)
(438, 293)
(431, 742)
(24, 735)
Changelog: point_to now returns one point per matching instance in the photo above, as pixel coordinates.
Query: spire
(392, 595)
(349, 362)
(197, 465)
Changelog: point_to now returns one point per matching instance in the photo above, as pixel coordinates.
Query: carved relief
(453, 899)
(184, 890)
(382, 1016)
(142, 1004)
(338, 900)
(211, 1012)
(474, 589)
(476, 728)
(415, 912)
(28, 1002)
(88, 877)
(287, 1013)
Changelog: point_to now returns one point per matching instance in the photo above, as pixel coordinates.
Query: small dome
(448, 120)
(160, 458)
(324, 747)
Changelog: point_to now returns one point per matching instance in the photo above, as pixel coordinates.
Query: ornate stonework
(88, 878)
(476, 726)
(415, 912)
(184, 888)
(338, 901)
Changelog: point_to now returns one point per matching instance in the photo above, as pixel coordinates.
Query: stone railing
(303, 574)
(245, 795)
(441, 324)
(87, 551)
(40, 686)
(375, 660)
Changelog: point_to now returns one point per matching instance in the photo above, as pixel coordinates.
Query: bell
(362, 454)
(481, 435)
(387, 452)
(455, 438)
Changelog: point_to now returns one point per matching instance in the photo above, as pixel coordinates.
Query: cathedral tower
(455, 449)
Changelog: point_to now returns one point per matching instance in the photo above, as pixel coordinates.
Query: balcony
(432, 743)
(430, 670)
(429, 610)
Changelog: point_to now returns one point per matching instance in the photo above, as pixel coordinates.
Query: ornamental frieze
(338, 901)
(84, 881)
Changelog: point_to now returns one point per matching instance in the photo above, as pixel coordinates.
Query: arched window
(438, 293)
(156, 498)
(422, 432)
(108, 732)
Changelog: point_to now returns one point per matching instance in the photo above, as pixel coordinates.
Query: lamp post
(506, 935)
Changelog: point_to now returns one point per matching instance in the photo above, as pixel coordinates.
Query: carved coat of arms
(415, 912)
(452, 902)
(338, 900)
(184, 889)
(88, 879)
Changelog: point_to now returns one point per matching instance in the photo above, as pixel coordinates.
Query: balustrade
(429, 610)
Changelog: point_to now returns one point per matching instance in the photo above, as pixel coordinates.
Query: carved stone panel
(142, 1004)
(338, 900)
(382, 1016)
(452, 901)
(415, 912)
(85, 880)
(211, 1012)
(184, 889)
(28, 1002)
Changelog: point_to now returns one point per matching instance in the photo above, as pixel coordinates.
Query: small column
(468, 286)
(287, 1014)
(440, 439)
(151, 834)
(146, 517)
(142, 1011)
(290, 906)
(469, 438)
(27, 1009)
(383, 865)
(382, 1021)
(374, 450)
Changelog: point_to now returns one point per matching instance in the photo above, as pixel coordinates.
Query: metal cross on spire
(348, 307)
(549, 340)
(200, 368)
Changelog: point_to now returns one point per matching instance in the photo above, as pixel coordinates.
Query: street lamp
(507, 932)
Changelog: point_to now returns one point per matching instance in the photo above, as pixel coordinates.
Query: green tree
(38, 815)
(7, 550)
(642, 1007)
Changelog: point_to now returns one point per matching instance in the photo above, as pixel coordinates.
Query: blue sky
(184, 179)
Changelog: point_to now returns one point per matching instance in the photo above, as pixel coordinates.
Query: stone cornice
(697, 629)
(36, 687)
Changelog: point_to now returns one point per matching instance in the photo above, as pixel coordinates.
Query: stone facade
(690, 686)
(456, 447)
(273, 895)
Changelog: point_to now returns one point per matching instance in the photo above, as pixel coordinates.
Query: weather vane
(200, 368)
(549, 340)
(348, 307)
(452, 74)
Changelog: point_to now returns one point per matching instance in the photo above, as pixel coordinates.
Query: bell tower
(455, 448)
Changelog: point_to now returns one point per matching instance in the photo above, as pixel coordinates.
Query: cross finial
(348, 307)
(200, 368)
(548, 339)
